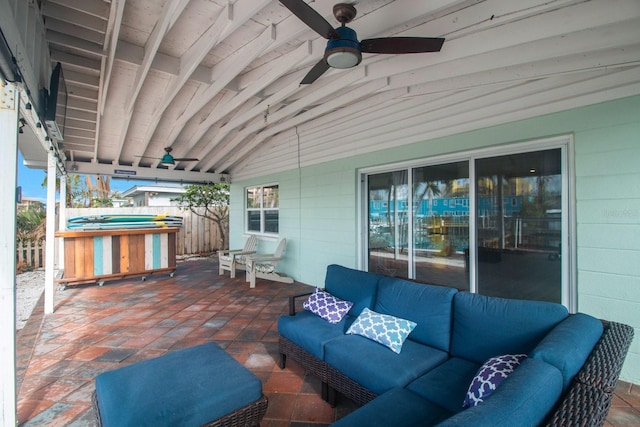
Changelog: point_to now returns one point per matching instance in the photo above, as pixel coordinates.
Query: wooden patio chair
(264, 266)
(235, 259)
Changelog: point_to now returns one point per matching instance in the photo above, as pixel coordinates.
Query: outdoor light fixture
(167, 160)
(343, 52)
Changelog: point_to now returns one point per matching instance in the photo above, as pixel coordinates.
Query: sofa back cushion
(569, 344)
(525, 398)
(356, 286)
(427, 305)
(484, 326)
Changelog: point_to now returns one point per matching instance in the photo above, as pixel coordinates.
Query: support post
(51, 228)
(9, 104)
(62, 217)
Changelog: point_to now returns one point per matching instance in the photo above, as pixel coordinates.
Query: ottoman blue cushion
(187, 387)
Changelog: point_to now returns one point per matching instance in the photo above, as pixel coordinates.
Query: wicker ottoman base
(197, 386)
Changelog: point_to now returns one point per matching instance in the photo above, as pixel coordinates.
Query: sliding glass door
(519, 209)
(441, 224)
(492, 224)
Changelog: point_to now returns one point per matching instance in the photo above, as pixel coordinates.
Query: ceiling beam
(277, 69)
(170, 12)
(231, 18)
(140, 173)
(230, 68)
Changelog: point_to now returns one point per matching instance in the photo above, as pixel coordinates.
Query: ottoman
(196, 386)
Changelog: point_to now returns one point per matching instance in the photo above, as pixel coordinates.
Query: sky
(31, 182)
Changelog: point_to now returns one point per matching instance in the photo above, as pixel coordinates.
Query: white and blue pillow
(489, 376)
(385, 329)
(327, 306)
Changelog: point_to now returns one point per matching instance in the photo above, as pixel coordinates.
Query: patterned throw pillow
(327, 306)
(382, 328)
(489, 377)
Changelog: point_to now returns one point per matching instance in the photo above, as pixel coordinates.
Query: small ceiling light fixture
(167, 160)
(21, 124)
(343, 52)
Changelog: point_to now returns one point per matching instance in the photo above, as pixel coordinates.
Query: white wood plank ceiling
(219, 80)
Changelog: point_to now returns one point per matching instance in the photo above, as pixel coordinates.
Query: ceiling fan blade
(186, 159)
(310, 17)
(319, 69)
(402, 45)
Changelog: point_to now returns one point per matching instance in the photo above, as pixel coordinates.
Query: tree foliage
(209, 201)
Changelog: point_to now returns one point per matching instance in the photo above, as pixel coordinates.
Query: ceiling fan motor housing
(343, 52)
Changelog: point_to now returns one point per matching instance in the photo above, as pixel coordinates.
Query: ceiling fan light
(167, 160)
(343, 52)
(343, 57)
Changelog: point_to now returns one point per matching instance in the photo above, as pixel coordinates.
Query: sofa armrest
(292, 302)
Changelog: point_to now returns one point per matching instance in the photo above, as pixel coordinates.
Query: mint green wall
(318, 206)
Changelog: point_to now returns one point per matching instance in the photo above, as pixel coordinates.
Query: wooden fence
(30, 255)
(198, 235)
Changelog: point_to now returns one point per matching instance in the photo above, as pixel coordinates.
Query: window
(262, 209)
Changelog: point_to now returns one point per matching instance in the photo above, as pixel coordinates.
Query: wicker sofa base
(586, 403)
(247, 416)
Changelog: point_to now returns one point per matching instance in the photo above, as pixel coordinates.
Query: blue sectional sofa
(564, 363)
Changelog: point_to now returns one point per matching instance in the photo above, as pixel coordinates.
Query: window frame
(568, 254)
(262, 209)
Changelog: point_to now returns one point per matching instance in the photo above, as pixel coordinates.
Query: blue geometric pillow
(489, 377)
(385, 329)
(327, 306)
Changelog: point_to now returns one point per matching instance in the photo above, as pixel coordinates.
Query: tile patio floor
(96, 329)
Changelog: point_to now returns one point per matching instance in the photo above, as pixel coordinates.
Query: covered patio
(99, 328)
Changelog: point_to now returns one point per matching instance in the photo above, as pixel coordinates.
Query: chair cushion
(185, 387)
(429, 306)
(490, 375)
(446, 384)
(398, 408)
(352, 285)
(569, 344)
(484, 326)
(385, 329)
(375, 367)
(327, 306)
(525, 398)
(265, 268)
(310, 331)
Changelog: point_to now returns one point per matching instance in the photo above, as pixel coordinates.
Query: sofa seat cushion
(377, 368)
(447, 384)
(398, 408)
(310, 331)
(352, 285)
(525, 398)
(484, 326)
(429, 306)
(569, 344)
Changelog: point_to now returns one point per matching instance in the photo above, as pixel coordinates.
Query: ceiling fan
(343, 48)
(169, 160)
